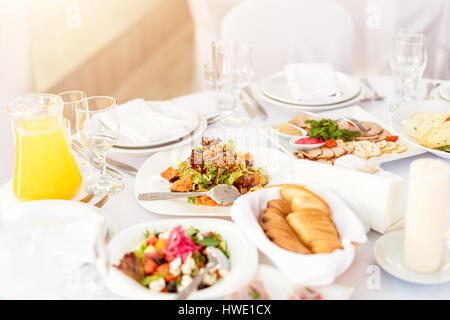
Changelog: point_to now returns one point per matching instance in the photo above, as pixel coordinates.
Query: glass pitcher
(45, 167)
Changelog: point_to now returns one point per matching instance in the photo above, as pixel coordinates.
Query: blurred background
(155, 49)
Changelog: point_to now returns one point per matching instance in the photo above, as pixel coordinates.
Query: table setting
(306, 184)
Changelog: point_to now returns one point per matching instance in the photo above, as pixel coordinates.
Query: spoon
(216, 259)
(222, 194)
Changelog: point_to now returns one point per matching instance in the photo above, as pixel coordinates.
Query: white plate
(400, 116)
(149, 179)
(243, 258)
(359, 114)
(275, 87)
(173, 111)
(285, 135)
(388, 252)
(444, 90)
(278, 286)
(318, 108)
(198, 132)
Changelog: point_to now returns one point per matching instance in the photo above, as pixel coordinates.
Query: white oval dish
(304, 146)
(243, 258)
(401, 115)
(148, 179)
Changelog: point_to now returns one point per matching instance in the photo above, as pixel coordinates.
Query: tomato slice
(392, 138)
(330, 143)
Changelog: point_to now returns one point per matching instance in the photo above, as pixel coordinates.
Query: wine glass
(408, 62)
(98, 126)
(234, 71)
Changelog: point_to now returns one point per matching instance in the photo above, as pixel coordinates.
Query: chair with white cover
(16, 77)
(292, 31)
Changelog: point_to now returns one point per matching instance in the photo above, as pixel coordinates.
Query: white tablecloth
(369, 280)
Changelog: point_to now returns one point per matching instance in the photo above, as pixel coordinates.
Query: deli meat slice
(372, 128)
(313, 154)
(300, 120)
(327, 153)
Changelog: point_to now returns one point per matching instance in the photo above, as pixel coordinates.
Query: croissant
(315, 229)
(279, 232)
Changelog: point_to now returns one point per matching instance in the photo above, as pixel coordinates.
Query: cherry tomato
(392, 138)
(330, 143)
(149, 264)
(164, 268)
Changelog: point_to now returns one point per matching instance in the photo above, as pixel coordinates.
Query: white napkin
(311, 270)
(139, 123)
(309, 81)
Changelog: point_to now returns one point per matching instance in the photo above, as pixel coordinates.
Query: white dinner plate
(148, 179)
(197, 133)
(343, 104)
(171, 110)
(275, 87)
(401, 115)
(444, 90)
(388, 252)
(357, 113)
(243, 258)
(279, 287)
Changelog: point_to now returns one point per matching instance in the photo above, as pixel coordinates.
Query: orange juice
(45, 167)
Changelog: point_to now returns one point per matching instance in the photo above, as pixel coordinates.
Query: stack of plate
(274, 89)
(442, 91)
(182, 136)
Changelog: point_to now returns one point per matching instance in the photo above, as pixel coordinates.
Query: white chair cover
(16, 76)
(377, 21)
(289, 31)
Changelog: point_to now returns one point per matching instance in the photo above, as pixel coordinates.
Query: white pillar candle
(425, 215)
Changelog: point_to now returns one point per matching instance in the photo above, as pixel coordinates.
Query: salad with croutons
(214, 163)
(167, 261)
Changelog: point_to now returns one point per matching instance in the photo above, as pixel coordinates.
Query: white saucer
(388, 252)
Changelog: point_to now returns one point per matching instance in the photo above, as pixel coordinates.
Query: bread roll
(279, 232)
(302, 198)
(281, 205)
(315, 229)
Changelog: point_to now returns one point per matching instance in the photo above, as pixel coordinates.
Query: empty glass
(98, 127)
(233, 61)
(70, 99)
(408, 61)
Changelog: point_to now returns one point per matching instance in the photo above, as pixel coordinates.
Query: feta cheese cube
(157, 285)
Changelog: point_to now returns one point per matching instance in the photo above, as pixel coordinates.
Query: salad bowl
(243, 258)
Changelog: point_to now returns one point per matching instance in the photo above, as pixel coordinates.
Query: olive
(172, 286)
(160, 260)
(202, 286)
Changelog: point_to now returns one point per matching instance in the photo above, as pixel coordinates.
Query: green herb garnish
(327, 129)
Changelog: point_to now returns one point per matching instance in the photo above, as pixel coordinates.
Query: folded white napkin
(309, 81)
(139, 123)
(313, 269)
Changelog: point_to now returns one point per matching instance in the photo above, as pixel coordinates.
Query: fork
(376, 96)
(102, 201)
(87, 198)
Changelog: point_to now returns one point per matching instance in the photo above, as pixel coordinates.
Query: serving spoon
(216, 259)
(222, 194)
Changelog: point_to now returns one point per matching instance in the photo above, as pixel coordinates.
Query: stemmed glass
(408, 62)
(98, 126)
(233, 61)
